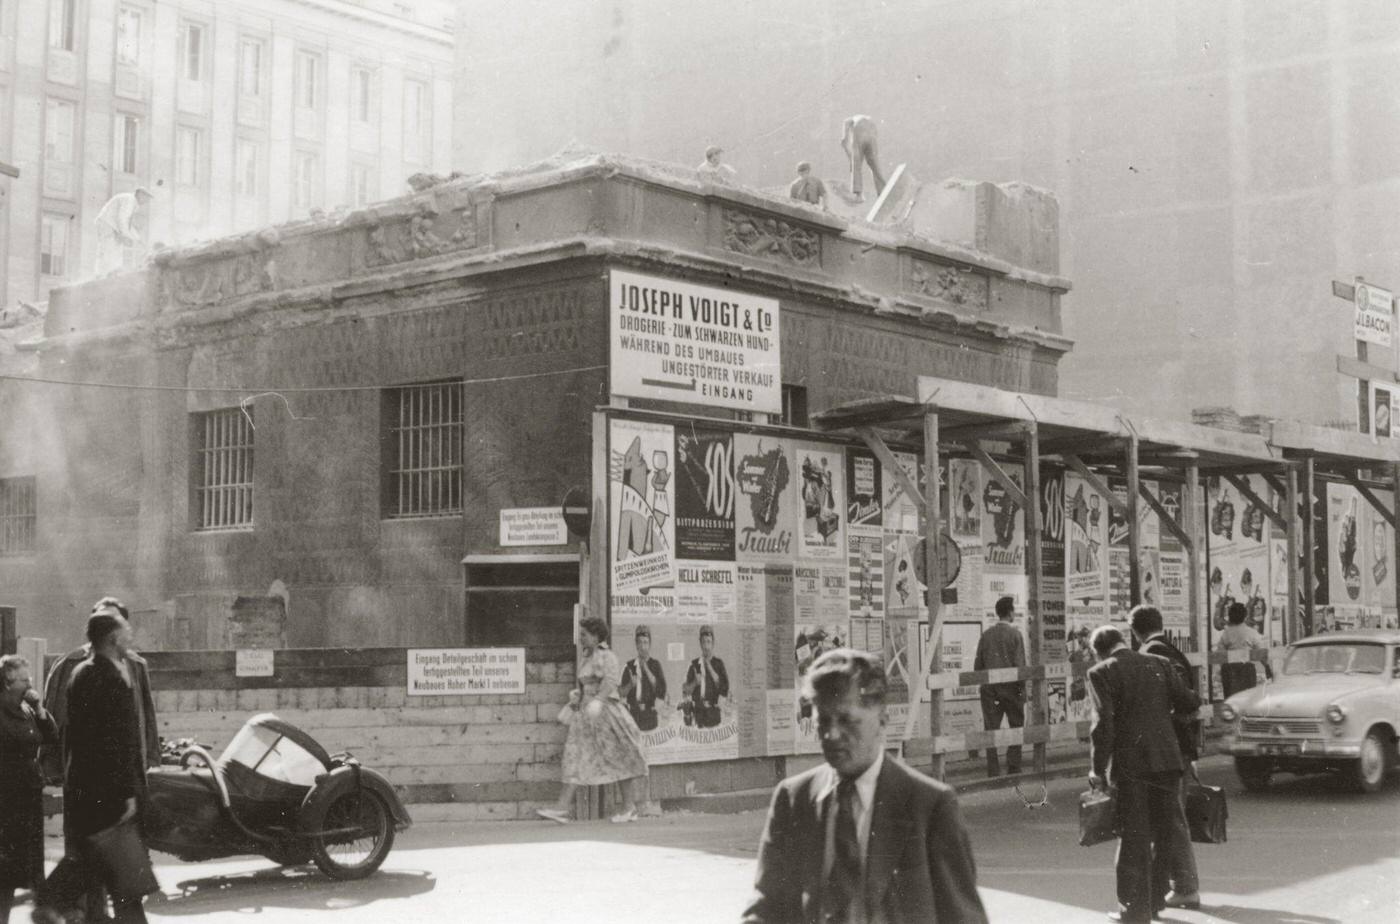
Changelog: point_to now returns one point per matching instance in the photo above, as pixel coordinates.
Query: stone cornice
(363, 16)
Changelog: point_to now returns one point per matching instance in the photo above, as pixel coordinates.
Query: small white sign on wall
(253, 662)
(465, 671)
(533, 526)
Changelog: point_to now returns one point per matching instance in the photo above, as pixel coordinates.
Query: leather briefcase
(1206, 811)
(1098, 817)
(119, 858)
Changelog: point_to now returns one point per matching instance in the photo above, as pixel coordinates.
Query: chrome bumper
(1307, 748)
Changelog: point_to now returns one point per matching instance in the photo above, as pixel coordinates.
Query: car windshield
(273, 755)
(1341, 658)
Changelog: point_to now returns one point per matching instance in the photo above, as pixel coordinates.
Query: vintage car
(275, 792)
(1335, 706)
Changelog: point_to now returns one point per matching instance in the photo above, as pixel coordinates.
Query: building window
(250, 63)
(58, 131)
(128, 133)
(361, 84)
(248, 156)
(187, 146)
(129, 36)
(192, 56)
(53, 244)
(63, 16)
(225, 469)
(16, 516)
(422, 450)
(415, 121)
(304, 180)
(361, 184)
(795, 406)
(307, 75)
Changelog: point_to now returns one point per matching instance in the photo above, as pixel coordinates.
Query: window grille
(423, 450)
(225, 486)
(17, 516)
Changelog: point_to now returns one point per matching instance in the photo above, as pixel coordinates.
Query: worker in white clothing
(118, 229)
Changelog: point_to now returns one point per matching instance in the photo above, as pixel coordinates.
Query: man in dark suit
(643, 682)
(1132, 744)
(1002, 646)
(862, 838)
(104, 776)
(1146, 623)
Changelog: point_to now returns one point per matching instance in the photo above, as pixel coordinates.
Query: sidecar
(275, 792)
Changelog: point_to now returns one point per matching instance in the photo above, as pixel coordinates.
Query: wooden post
(1395, 533)
(588, 802)
(1290, 622)
(1134, 537)
(1309, 547)
(933, 571)
(1191, 523)
(1034, 575)
(9, 635)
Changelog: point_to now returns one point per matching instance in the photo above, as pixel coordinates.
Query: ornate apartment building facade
(236, 114)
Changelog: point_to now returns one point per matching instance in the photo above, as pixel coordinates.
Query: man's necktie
(843, 885)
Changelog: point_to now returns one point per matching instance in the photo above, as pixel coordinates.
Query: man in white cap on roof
(117, 229)
(712, 171)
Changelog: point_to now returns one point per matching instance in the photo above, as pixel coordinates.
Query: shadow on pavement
(1234, 914)
(286, 887)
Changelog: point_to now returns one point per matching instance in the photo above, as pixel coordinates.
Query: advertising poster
(768, 502)
(822, 474)
(1322, 545)
(901, 513)
(958, 653)
(641, 499)
(1239, 556)
(811, 641)
(866, 576)
(1380, 411)
(819, 593)
(965, 499)
(706, 591)
(867, 634)
(1345, 520)
(1058, 698)
(904, 592)
(699, 720)
(643, 605)
(865, 513)
(1378, 573)
(1003, 527)
(1086, 531)
(1052, 564)
(705, 494)
(1171, 564)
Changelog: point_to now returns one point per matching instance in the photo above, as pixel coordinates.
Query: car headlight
(1228, 713)
(1336, 714)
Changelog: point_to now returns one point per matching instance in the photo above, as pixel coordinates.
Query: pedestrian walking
(54, 755)
(1002, 646)
(1133, 747)
(1239, 635)
(24, 725)
(604, 744)
(861, 838)
(105, 778)
(1151, 636)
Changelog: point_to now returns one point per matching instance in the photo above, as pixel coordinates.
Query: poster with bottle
(965, 500)
(1378, 570)
(767, 499)
(1239, 554)
(1003, 527)
(1345, 520)
(1052, 564)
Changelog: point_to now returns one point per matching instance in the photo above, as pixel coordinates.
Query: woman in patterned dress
(604, 744)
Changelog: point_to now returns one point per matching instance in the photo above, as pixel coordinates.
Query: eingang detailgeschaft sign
(677, 341)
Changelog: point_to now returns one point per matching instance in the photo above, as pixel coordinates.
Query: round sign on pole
(577, 515)
(951, 560)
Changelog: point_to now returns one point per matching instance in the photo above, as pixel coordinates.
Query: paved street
(1308, 852)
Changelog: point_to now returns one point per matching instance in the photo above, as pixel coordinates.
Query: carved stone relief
(221, 279)
(428, 232)
(759, 236)
(949, 284)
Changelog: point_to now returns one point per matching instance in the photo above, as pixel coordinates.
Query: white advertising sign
(252, 662)
(465, 671)
(1373, 314)
(533, 526)
(676, 341)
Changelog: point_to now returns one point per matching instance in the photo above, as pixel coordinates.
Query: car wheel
(1254, 773)
(1368, 771)
(362, 835)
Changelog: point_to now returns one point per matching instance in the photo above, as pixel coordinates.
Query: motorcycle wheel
(344, 857)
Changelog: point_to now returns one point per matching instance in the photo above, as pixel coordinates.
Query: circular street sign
(577, 515)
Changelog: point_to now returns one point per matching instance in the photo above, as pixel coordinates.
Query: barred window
(17, 516)
(422, 450)
(225, 469)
